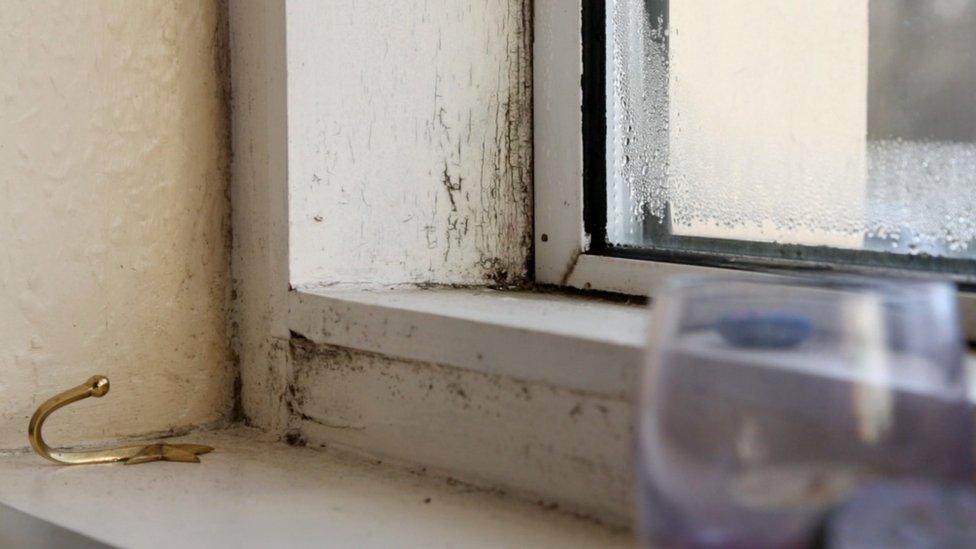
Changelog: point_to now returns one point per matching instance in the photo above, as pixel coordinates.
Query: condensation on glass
(842, 123)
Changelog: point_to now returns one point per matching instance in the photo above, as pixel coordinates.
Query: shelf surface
(255, 493)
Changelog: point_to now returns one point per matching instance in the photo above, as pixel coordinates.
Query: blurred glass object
(905, 515)
(764, 403)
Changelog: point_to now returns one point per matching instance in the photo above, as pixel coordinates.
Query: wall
(113, 215)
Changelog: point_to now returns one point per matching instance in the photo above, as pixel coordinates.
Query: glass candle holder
(764, 403)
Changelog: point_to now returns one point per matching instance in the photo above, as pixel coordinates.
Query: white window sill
(566, 341)
(578, 357)
(571, 342)
(254, 493)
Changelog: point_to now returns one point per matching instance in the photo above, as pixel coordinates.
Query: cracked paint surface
(409, 141)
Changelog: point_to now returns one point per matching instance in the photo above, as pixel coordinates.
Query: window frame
(565, 251)
(588, 350)
(570, 243)
(564, 254)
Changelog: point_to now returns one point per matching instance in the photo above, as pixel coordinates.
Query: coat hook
(97, 386)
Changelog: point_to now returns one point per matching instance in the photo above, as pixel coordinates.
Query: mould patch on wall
(494, 431)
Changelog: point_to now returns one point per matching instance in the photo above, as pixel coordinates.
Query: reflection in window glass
(842, 123)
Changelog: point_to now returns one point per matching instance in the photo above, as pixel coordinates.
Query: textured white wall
(409, 131)
(113, 215)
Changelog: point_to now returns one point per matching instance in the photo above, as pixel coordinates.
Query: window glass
(845, 125)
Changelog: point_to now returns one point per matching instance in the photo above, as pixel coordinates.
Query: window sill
(570, 342)
(254, 493)
(536, 402)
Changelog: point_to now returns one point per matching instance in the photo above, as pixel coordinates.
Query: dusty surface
(260, 214)
(259, 494)
(528, 439)
(113, 215)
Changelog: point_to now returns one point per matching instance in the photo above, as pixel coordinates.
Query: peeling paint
(431, 132)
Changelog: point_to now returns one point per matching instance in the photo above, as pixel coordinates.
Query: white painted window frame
(561, 242)
(576, 348)
(578, 343)
(536, 338)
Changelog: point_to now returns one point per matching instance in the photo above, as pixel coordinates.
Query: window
(827, 134)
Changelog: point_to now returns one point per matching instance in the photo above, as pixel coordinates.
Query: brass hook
(97, 386)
